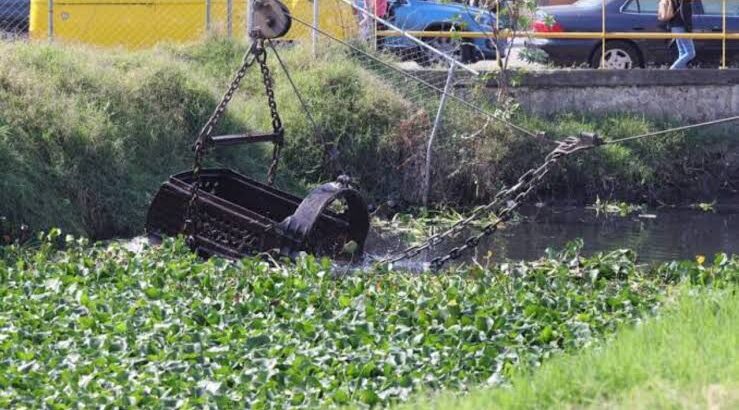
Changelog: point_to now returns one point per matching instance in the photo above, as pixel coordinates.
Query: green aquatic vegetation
(705, 206)
(416, 227)
(685, 358)
(102, 326)
(615, 208)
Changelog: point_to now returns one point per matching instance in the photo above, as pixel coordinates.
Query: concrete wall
(682, 96)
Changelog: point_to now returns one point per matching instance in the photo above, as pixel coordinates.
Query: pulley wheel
(271, 19)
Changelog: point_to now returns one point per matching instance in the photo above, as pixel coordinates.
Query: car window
(715, 7)
(642, 6)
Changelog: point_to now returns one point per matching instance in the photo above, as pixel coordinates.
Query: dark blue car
(14, 16)
(631, 16)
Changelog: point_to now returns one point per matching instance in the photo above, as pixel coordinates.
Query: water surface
(656, 235)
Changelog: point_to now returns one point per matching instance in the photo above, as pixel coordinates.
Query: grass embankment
(100, 326)
(87, 135)
(687, 358)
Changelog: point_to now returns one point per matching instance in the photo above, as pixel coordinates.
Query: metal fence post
(51, 20)
(432, 136)
(249, 17)
(229, 18)
(207, 16)
(314, 32)
(723, 45)
(603, 36)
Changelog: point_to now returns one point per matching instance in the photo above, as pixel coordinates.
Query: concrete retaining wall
(682, 96)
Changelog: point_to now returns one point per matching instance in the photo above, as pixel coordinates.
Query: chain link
(513, 196)
(257, 53)
(275, 115)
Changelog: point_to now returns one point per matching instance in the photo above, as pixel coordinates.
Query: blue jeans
(686, 47)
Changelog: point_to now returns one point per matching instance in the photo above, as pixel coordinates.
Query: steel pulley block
(270, 19)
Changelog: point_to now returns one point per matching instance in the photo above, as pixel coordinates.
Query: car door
(400, 14)
(643, 18)
(708, 18)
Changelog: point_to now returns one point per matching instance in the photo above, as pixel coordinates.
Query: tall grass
(88, 135)
(687, 358)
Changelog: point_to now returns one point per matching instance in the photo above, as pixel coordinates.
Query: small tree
(512, 18)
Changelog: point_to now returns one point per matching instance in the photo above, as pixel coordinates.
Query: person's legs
(689, 47)
(686, 48)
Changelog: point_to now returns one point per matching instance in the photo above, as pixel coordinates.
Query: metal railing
(602, 35)
(152, 21)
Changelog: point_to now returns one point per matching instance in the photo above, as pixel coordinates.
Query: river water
(656, 235)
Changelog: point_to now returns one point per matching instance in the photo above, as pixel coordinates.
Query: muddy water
(656, 235)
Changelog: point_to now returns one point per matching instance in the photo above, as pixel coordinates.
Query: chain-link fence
(14, 18)
(135, 24)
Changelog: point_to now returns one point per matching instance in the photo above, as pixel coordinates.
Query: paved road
(488, 65)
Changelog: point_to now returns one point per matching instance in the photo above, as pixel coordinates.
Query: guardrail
(570, 35)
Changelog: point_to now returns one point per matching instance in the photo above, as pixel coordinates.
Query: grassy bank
(87, 135)
(104, 326)
(687, 358)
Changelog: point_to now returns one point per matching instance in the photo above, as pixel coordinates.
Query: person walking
(367, 24)
(682, 22)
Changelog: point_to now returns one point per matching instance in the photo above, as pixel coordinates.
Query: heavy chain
(276, 121)
(512, 196)
(201, 143)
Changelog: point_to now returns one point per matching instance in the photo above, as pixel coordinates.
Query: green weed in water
(99, 325)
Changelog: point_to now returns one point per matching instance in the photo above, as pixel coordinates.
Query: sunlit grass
(687, 358)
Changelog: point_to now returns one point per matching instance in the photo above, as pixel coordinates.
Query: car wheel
(453, 47)
(619, 55)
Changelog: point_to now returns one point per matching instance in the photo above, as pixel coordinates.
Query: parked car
(630, 16)
(422, 15)
(14, 16)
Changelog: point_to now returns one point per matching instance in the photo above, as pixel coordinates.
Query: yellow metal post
(603, 36)
(723, 46)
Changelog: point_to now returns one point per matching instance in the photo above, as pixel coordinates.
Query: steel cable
(400, 71)
(674, 129)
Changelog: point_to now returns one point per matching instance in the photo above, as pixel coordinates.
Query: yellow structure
(144, 23)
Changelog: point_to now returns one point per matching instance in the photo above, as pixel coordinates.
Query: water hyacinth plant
(102, 326)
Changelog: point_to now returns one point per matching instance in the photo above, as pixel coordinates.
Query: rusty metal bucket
(238, 217)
